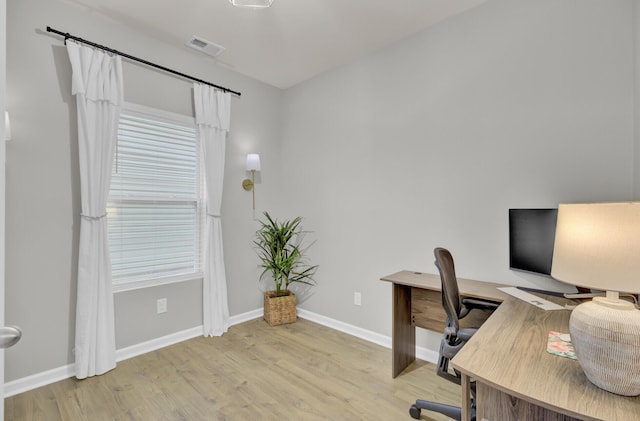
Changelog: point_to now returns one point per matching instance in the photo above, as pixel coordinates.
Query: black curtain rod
(148, 63)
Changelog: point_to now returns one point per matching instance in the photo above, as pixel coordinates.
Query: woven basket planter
(279, 310)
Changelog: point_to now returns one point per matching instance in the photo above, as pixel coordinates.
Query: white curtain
(97, 85)
(213, 114)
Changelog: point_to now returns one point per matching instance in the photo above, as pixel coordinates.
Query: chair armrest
(476, 303)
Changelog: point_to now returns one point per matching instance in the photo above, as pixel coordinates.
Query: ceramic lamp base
(606, 337)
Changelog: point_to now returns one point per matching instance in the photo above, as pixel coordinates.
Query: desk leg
(466, 398)
(403, 344)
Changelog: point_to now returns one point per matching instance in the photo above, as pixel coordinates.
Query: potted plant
(283, 257)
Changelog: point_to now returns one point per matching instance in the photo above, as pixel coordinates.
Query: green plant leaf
(280, 251)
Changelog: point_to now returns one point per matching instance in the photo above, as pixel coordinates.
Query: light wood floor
(302, 371)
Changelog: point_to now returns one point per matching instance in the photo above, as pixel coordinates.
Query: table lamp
(597, 246)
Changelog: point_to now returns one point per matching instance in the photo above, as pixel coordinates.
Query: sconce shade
(597, 245)
(253, 165)
(253, 162)
(7, 126)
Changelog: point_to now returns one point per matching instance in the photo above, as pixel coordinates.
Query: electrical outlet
(357, 298)
(161, 305)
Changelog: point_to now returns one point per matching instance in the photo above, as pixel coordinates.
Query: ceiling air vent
(207, 47)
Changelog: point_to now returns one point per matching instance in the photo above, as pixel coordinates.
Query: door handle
(9, 336)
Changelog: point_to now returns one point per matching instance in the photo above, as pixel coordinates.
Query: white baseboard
(157, 343)
(174, 338)
(34, 381)
(382, 340)
(352, 330)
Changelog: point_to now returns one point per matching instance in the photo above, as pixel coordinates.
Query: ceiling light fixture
(254, 4)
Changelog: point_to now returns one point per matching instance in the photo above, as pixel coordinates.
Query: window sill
(148, 283)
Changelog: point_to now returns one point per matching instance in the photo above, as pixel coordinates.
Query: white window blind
(155, 209)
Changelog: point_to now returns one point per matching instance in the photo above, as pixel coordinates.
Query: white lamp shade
(597, 245)
(7, 126)
(256, 4)
(253, 162)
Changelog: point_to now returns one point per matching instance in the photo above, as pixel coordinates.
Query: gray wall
(43, 186)
(428, 142)
(516, 103)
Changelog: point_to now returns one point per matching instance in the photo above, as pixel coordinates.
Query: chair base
(450, 411)
(453, 412)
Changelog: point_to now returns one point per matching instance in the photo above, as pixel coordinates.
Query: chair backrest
(450, 292)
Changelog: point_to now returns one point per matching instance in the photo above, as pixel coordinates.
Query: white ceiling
(291, 41)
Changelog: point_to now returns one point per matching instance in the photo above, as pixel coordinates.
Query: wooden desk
(516, 379)
(417, 301)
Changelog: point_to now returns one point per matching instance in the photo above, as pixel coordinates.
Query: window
(156, 202)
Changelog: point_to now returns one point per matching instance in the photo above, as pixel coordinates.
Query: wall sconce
(7, 126)
(253, 165)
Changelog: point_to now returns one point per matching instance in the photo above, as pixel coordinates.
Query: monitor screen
(531, 236)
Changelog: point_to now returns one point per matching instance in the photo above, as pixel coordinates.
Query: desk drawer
(495, 405)
(427, 311)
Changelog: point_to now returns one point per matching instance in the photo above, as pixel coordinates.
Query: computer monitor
(531, 238)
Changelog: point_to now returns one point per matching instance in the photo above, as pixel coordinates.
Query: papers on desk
(531, 299)
(560, 344)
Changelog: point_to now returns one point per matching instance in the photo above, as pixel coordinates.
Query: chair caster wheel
(414, 411)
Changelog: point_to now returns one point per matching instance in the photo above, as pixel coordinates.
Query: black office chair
(454, 337)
